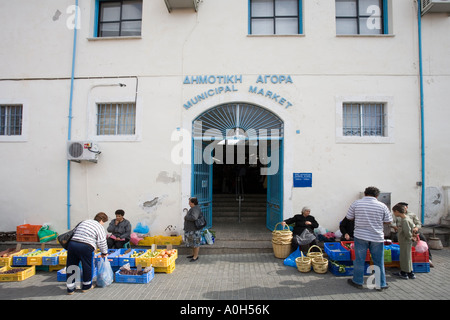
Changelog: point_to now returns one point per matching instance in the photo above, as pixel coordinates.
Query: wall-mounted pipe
(422, 122)
(69, 134)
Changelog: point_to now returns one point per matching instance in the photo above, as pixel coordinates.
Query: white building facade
(338, 82)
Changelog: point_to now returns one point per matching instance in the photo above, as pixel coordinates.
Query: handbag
(200, 223)
(65, 238)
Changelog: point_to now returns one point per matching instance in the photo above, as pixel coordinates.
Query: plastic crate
(128, 259)
(144, 260)
(147, 241)
(37, 260)
(53, 258)
(144, 278)
(421, 267)
(395, 252)
(162, 240)
(21, 260)
(164, 262)
(352, 251)
(62, 258)
(168, 269)
(19, 276)
(111, 255)
(62, 275)
(419, 256)
(336, 252)
(7, 261)
(347, 270)
(27, 238)
(28, 229)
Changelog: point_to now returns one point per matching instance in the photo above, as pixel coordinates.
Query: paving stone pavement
(239, 277)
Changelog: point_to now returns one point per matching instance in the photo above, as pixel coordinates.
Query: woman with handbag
(192, 233)
(88, 235)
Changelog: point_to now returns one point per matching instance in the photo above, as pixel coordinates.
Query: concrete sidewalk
(251, 276)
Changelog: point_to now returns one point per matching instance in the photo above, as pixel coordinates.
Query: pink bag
(135, 239)
(421, 246)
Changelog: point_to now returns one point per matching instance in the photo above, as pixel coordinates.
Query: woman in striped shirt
(88, 235)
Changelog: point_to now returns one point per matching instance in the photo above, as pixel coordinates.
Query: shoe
(353, 284)
(401, 275)
(189, 257)
(431, 264)
(70, 292)
(193, 260)
(87, 289)
(383, 288)
(411, 275)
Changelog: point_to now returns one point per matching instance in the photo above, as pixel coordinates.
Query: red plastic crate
(28, 229)
(27, 238)
(419, 256)
(352, 251)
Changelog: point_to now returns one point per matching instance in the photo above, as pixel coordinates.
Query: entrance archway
(232, 139)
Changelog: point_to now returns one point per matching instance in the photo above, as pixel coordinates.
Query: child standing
(405, 241)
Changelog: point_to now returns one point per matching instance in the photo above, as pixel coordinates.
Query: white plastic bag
(105, 274)
(208, 237)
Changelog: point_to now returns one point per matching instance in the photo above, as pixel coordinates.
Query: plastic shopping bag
(45, 234)
(141, 228)
(105, 274)
(290, 261)
(208, 237)
(421, 246)
(306, 237)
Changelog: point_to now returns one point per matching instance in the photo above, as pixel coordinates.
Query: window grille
(116, 119)
(364, 119)
(11, 120)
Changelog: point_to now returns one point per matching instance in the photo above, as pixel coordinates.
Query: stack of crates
(341, 259)
(27, 233)
(421, 261)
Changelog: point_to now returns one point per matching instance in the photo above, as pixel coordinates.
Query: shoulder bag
(65, 238)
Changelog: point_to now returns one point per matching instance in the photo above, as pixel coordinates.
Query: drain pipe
(69, 135)
(419, 10)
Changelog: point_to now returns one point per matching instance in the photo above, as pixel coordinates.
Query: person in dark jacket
(301, 222)
(192, 235)
(120, 229)
(347, 227)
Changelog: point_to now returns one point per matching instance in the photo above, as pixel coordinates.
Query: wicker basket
(281, 242)
(303, 263)
(281, 251)
(314, 254)
(320, 265)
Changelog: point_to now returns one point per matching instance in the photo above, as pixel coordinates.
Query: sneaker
(411, 275)
(84, 289)
(383, 288)
(70, 292)
(401, 275)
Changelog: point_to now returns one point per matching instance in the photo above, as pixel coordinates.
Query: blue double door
(202, 181)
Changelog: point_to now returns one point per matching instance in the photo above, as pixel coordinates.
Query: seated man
(120, 229)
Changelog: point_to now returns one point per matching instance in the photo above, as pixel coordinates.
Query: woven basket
(314, 254)
(303, 263)
(320, 265)
(281, 251)
(281, 235)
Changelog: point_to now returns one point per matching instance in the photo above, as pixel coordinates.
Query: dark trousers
(80, 252)
(114, 244)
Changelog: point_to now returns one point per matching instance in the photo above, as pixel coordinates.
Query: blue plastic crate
(336, 251)
(145, 278)
(348, 268)
(395, 252)
(62, 276)
(127, 258)
(111, 253)
(52, 260)
(421, 267)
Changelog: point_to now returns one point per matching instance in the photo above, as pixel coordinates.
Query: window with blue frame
(275, 17)
(364, 17)
(119, 18)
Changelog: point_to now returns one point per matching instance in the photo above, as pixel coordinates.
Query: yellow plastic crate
(148, 241)
(144, 260)
(62, 258)
(37, 259)
(162, 240)
(168, 269)
(19, 276)
(7, 261)
(164, 262)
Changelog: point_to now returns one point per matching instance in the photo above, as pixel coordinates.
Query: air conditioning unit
(435, 6)
(82, 151)
(182, 4)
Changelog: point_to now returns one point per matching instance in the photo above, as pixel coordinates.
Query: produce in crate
(166, 253)
(126, 270)
(8, 252)
(12, 271)
(149, 254)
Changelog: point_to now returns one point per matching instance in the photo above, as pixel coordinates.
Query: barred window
(11, 120)
(364, 119)
(361, 17)
(116, 119)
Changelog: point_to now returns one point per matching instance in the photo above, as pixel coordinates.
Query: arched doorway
(238, 149)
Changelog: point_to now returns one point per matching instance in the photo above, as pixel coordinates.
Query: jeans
(80, 252)
(377, 251)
